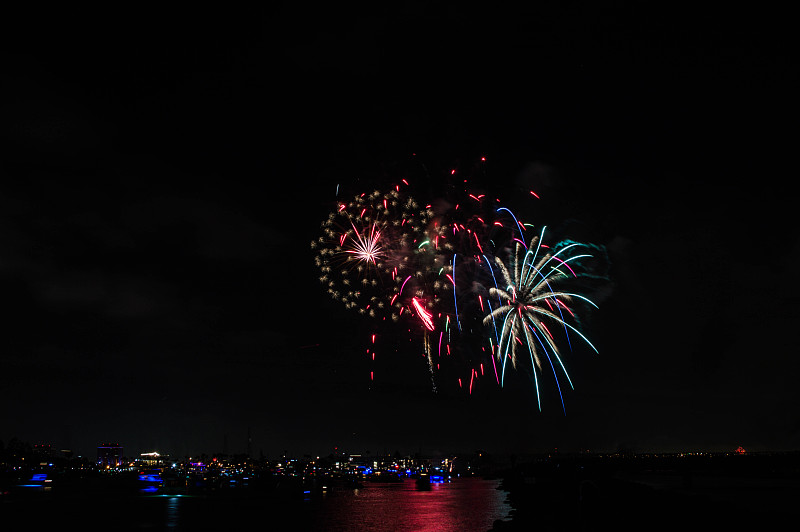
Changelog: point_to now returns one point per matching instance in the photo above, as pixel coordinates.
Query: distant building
(109, 455)
(152, 459)
(43, 451)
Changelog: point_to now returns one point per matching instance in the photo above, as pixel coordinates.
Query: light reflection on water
(466, 504)
(173, 515)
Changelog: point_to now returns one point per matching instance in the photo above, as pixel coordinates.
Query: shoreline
(583, 494)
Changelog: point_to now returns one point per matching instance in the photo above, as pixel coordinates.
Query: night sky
(163, 173)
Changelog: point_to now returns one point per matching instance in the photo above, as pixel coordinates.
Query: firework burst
(482, 301)
(370, 250)
(527, 299)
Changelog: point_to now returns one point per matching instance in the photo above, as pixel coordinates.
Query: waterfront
(559, 492)
(463, 504)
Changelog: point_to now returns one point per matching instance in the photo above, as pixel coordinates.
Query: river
(461, 505)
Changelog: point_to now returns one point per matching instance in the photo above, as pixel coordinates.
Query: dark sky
(163, 173)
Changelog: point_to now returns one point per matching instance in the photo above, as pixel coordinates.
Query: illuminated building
(109, 455)
(152, 459)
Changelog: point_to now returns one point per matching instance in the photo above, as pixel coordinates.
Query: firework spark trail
(429, 357)
(535, 377)
(365, 248)
(544, 278)
(380, 254)
(538, 270)
(516, 222)
(528, 287)
(455, 302)
(424, 315)
(558, 384)
(491, 313)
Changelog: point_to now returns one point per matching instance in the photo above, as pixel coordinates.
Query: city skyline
(113, 455)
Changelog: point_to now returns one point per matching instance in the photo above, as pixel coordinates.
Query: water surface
(464, 504)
